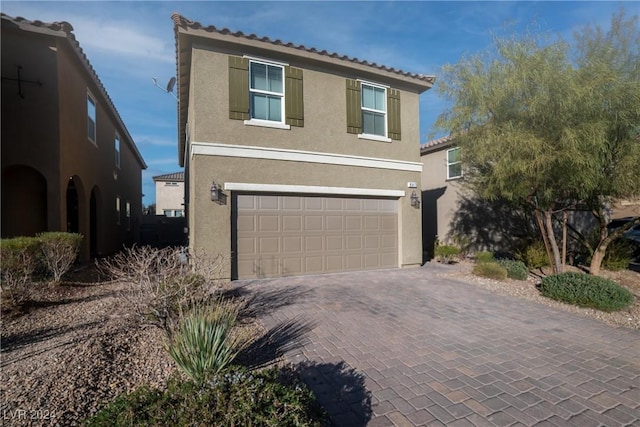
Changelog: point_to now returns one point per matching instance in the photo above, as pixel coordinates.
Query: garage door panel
(291, 235)
(269, 223)
(269, 245)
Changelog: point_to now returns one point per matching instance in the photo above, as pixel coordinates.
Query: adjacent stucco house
(297, 161)
(68, 161)
(170, 194)
(441, 172)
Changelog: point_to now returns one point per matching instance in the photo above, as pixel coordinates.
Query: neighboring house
(68, 161)
(441, 172)
(170, 194)
(297, 161)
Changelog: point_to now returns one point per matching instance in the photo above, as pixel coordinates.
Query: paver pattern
(407, 347)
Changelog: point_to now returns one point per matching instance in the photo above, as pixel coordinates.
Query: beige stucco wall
(439, 197)
(324, 131)
(169, 196)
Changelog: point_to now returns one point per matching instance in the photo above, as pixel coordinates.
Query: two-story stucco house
(68, 161)
(170, 194)
(297, 161)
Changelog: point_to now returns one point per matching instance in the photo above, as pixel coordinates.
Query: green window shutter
(238, 88)
(354, 107)
(393, 113)
(294, 101)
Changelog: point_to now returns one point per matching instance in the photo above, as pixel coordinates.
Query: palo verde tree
(549, 124)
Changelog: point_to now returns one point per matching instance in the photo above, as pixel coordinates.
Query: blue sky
(131, 42)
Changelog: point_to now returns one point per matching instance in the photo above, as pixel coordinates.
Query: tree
(550, 125)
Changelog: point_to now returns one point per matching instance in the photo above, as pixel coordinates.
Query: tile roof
(181, 21)
(175, 176)
(65, 30)
(435, 144)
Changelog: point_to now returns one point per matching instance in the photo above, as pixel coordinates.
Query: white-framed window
(116, 146)
(374, 110)
(454, 165)
(179, 213)
(170, 184)
(266, 92)
(168, 212)
(91, 118)
(118, 210)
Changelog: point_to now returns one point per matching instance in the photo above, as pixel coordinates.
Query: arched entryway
(24, 202)
(73, 214)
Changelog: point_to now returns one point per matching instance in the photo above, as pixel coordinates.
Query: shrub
(484, 256)
(202, 344)
(618, 256)
(445, 253)
(534, 255)
(586, 291)
(272, 397)
(59, 251)
(19, 260)
(491, 270)
(162, 282)
(515, 269)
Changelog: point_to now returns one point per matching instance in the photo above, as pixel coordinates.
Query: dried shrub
(19, 259)
(491, 270)
(484, 256)
(59, 252)
(164, 282)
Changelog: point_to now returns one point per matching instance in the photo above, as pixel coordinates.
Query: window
(127, 214)
(266, 91)
(257, 93)
(179, 213)
(170, 184)
(454, 166)
(168, 212)
(91, 118)
(117, 149)
(118, 210)
(374, 110)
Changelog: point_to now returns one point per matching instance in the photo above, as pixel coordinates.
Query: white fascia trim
(311, 189)
(373, 137)
(252, 152)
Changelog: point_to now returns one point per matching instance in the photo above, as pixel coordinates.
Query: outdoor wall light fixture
(415, 200)
(217, 195)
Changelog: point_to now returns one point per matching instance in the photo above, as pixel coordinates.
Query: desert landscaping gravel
(79, 346)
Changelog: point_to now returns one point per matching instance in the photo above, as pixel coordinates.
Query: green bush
(534, 255)
(516, 270)
(484, 256)
(272, 397)
(618, 256)
(59, 252)
(586, 291)
(20, 259)
(202, 343)
(491, 270)
(445, 253)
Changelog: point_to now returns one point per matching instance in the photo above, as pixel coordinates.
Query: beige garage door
(294, 235)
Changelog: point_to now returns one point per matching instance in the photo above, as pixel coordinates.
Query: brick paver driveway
(406, 347)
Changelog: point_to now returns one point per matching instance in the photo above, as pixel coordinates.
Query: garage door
(294, 235)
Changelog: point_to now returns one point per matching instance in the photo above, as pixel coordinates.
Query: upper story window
(91, 118)
(266, 91)
(454, 165)
(257, 93)
(170, 184)
(374, 110)
(116, 146)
